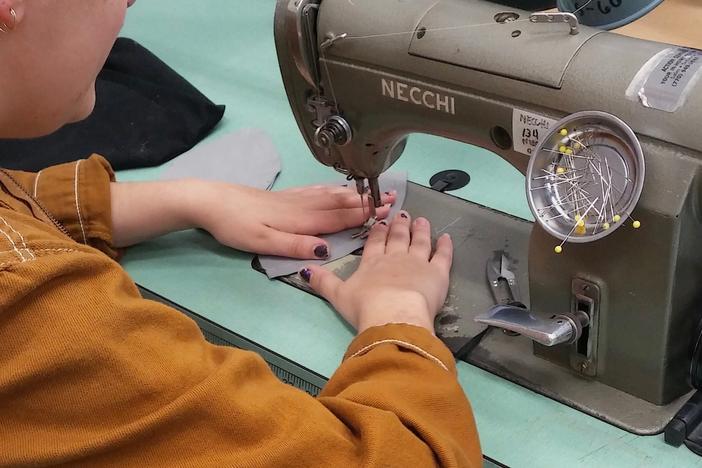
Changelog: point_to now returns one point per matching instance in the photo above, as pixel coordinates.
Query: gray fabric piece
(245, 157)
(340, 243)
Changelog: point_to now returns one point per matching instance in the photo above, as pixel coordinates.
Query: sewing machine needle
(371, 205)
(372, 195)
(374, 200)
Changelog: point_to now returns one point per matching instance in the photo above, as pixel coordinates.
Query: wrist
(144, 210)
(199, 197)
(406, 308)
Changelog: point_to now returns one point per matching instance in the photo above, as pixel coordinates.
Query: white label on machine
(528, 129)
(665, 81)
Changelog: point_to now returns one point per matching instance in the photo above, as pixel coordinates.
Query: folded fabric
(145, 114)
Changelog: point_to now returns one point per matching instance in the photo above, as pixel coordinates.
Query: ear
(11, 14)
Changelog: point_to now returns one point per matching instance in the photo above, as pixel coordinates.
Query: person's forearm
(144, 210)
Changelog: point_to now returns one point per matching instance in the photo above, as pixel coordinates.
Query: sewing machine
(612, 282)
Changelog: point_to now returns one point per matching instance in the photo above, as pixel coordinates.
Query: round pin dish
(585, 177)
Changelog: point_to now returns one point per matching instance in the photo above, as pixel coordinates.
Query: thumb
(322, 281)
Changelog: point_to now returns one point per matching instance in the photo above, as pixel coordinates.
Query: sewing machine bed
(477, 232)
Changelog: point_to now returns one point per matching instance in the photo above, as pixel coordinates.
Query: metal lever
(559, 329)
(569, 18)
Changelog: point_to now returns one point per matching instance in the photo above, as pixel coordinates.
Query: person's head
(51, 52)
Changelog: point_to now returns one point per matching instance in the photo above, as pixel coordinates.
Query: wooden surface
(677, 22)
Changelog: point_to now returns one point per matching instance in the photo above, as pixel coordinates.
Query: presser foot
(365, 229)
(372, 193)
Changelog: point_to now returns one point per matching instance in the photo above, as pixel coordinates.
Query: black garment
(529, 5)
(145, 115)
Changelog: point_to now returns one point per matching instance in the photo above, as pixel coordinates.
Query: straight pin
(559, 248)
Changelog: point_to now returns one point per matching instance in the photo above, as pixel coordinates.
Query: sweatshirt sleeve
(400, 381)
(77, 194)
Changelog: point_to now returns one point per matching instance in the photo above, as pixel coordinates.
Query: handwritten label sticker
(528, 129)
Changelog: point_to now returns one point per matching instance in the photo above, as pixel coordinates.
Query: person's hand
(398, 280)
(283, 223)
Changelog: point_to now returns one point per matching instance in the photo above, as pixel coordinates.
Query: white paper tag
(528, 129)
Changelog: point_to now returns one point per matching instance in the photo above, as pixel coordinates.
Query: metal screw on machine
(506, 17)
(334, 131)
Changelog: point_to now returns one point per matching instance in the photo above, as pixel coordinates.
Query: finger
(420, 245)
(375, 244)
(317, 195)
(353, 200)
(332, 198)
(383, 211)
(346, 201)
(443, 256)
(322, 281)
(328, 221)
(300, 190)
(284, 244)
(399, 237)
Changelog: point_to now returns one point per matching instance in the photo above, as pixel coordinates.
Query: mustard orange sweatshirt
(91, 374)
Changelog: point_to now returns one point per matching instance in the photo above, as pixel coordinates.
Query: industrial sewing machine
(605, 129)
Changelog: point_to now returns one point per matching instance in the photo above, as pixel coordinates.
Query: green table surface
(226, 49)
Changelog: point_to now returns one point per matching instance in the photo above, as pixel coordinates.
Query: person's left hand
(283, 223)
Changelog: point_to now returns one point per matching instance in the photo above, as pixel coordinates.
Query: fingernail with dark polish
(321, 251)
(387, 193)
(403, 215)
(306, 274)
(383, 223)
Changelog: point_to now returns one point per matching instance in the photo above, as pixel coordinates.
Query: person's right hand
(398, 280)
